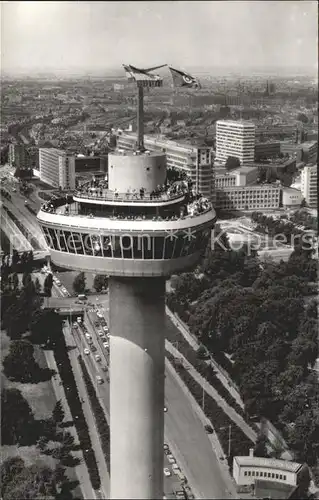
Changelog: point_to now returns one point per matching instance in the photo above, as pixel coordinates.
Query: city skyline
(100, 36)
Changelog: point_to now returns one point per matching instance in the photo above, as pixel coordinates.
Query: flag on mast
(182, 79)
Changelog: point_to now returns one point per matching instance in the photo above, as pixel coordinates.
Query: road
(184, 431)
(185, 434)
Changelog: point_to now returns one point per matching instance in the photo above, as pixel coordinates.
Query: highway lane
(188, 439)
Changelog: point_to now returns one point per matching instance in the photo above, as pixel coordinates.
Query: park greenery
(79, 283)
(260, 323)
(27, 324)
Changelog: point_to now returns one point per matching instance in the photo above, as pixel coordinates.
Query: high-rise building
(195, 161)
(235, 138)
(18, 156)
(309, 187)
(57, 168)
(139, 230)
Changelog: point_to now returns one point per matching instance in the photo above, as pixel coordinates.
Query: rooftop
(267, 462)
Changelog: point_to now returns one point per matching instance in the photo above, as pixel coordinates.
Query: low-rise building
(255, 197)
(90, 164)
(242, 176)
(291, 197)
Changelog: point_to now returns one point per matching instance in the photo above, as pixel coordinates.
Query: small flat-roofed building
(249, 468)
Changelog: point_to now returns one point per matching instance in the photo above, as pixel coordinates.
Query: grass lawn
(41, 398)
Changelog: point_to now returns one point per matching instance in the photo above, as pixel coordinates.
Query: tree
(15, 282)
(37, 286)
(302, 118)
(47, 285)
(260, 449)
(10, 468)
(26, 279)
(79, 283)
(17, 419)
(232, 162)
(100, 281)
(20, 364)
(58, 413)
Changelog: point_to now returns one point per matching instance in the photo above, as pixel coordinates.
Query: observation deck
(146, 226)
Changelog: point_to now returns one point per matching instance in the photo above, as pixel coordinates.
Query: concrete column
(137, 316)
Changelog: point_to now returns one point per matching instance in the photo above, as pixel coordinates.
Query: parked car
(167, 472)
(106, 345)
(100, 333)
(99, 379)
(105, 328)
(97, 357)
(86, 351)
(171, 459)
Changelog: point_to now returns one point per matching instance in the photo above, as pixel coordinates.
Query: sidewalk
(220, 372)
(273, 434)
(214, 394)
(81, 469)
(90, 419)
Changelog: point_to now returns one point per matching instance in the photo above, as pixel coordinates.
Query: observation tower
(139, 228)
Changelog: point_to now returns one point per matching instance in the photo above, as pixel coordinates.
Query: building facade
(242, 176)
(309, 187)
(235, 138)
(66, 171)
(196, 162)
(18, 156)
(291, 197)
(262, 196)
(57, 168)
(90, 164)
(270, 149)
(249, 468)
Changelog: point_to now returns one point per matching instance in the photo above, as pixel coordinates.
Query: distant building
(249, 470)
(90, 164)
(195, 161)
(57, 168)
(269, 149)
(291, 197)
(118, 87)
(304, 151)
(18, 156)
(255, 197)
(309, 186)
(242, 176)
(235, 138)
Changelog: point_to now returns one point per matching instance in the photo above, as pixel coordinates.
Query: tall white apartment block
(57, 168)
(235, 138)
(309, 186)
(66, 171)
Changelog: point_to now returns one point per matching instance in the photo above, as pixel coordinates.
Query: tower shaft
(137, 323)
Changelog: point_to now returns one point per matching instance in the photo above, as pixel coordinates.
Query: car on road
(100, 333)
(105, 368)
(105, 328)
(99, 315)
(165, 409)
(99, 379)
(86, 351)
(166, 449)
(106, 345)
(97, 357)
(88, 336)
(75, 325)
(175, 468)
(171, 459)
(81, 296)
(167, 472)
(93, 348)
(209, 429)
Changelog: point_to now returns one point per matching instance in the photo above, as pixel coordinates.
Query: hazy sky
(101, 35)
